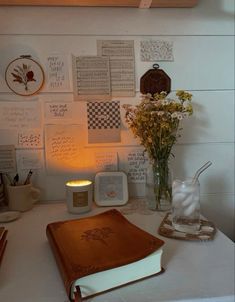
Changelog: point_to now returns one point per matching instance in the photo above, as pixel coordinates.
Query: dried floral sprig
(23, 75)
(155, 121)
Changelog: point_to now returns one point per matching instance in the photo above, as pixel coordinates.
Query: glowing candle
(79, 196)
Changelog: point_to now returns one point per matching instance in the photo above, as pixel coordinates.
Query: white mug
(22, 197)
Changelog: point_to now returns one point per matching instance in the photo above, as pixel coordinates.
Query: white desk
(195, 271)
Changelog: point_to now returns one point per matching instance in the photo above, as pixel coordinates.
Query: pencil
(27, 180)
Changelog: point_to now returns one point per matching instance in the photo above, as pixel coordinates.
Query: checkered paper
(103, 122)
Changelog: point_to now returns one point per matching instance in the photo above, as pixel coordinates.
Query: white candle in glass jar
(79, 195)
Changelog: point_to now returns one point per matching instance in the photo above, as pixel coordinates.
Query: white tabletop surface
(195, 271)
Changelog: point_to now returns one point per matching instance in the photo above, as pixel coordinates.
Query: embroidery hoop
(24, 76)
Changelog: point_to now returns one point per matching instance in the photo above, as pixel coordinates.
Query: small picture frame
(111, 189)
(24, 76)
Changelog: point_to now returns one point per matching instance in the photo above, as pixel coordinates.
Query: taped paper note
(137, 162)
(9, 137)
(104, 122)
(30, 139)
(62, 148)
(30, 159)
(20, 115)
(106, 161)
(7, 159)
(122, 65)
(91, 77)
(58, 111)
(57, 72)
(159, 50)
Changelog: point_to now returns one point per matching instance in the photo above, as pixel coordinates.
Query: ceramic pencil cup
(22, 197)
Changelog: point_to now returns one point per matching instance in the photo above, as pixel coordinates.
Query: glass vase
(158, 186)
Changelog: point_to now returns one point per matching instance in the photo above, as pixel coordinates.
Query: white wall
(203, 64)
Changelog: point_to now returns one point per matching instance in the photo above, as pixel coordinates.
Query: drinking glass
(186, 205)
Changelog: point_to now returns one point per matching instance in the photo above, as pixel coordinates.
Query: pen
(15, 180)
(8, 178)
(27, 180)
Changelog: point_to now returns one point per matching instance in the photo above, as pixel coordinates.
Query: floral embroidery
(23, 75)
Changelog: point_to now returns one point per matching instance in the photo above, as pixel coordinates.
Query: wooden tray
(206, 232)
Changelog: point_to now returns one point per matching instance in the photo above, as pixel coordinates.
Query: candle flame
(78, 183)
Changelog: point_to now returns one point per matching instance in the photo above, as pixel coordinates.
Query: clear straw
(199, 171)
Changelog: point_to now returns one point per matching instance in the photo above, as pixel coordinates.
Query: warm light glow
(78, 183)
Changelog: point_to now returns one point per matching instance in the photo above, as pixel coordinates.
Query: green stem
(162, 187)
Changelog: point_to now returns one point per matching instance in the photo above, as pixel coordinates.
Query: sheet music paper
(122, 65)
(7, 159)
(91, 76)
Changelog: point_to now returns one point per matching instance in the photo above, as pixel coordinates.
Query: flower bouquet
(155, 122)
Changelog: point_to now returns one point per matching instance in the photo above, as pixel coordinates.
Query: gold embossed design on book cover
(97, 243)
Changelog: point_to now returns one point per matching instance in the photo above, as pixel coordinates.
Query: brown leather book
(101, 252)
(2, 231)
(3, 241)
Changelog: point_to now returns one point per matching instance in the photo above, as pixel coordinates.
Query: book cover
(2, 231)
(3, 241)
(94, 250)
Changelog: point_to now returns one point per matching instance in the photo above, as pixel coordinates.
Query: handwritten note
(30, 139)
(58, 110)
(159, 50)
(137, 165)
(62, 148)
(57, 72)
(20, 115)
(106, 161)
(7, 158)
(30, 159)
(9, 136)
